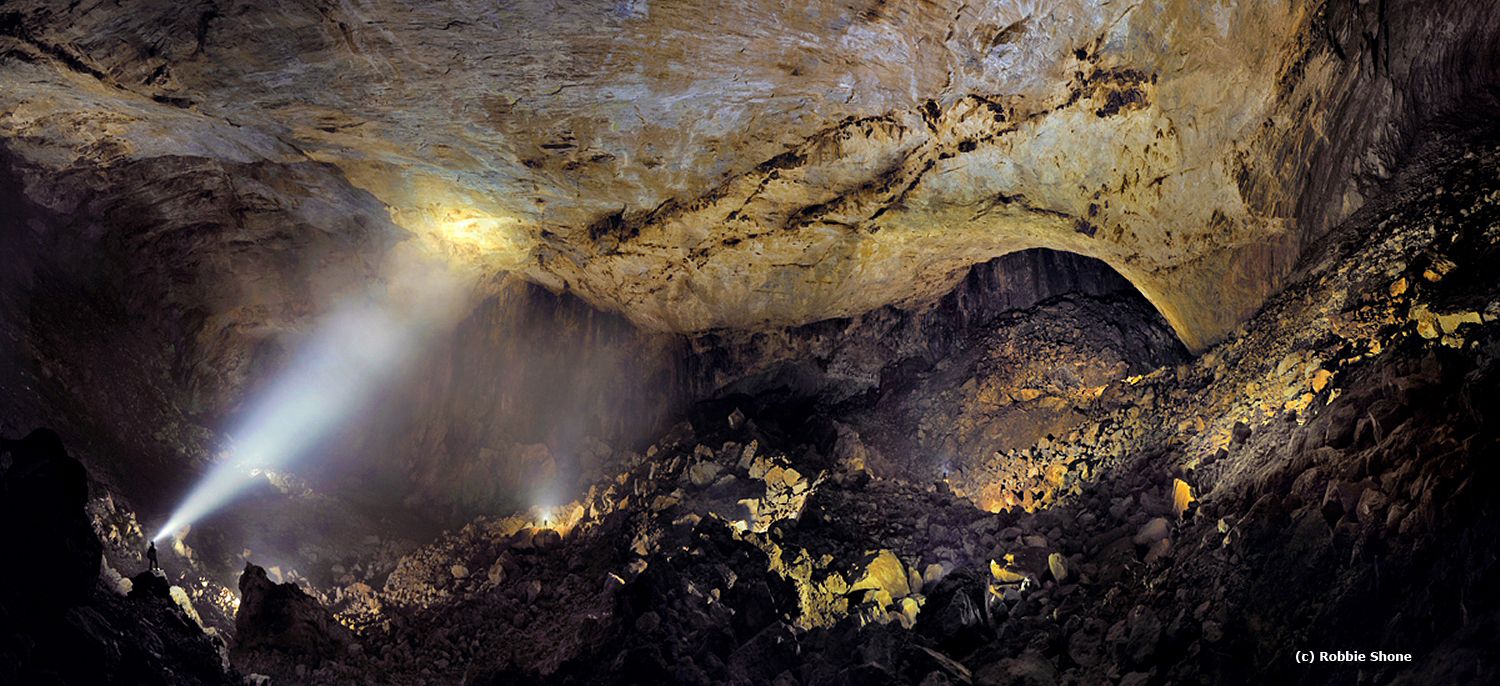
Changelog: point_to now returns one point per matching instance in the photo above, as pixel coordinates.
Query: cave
(859, 342)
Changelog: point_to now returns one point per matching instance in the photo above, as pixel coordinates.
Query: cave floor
(1321, 481)
(1058, 501)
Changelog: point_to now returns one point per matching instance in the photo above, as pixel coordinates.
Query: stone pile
(1196, 523)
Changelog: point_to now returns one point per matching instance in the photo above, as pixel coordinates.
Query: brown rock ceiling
(698, 165)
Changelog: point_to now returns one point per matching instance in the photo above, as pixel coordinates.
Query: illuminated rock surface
(751, 165)
(782, 562)
(1080, 342)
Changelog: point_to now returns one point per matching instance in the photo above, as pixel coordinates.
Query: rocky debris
(63, 622)
(117, 640)
(279, 623)
(1212, 493)
(838, 359)
(987, 415)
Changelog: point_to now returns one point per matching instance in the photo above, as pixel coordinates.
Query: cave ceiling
(697, 165)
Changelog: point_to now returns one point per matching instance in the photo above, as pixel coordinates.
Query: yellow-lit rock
(1004, 574)
(1449, 323)
(1182, 496)
(884, 572)
(819, 160)
(1058, 566)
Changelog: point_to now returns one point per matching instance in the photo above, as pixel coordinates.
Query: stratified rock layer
(1318, 480)
(749, 165)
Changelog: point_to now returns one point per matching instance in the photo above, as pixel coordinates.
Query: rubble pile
(1310, 483)
(1064, 498)
(1029, 374)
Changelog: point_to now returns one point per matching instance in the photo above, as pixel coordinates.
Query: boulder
(954, 615)
(151, 583)
(702, 474)
(1143, 637)
(1058, 566)
(1155, 530)
(282, 619)
(546, 539)
(884, 572)
(1027, 669)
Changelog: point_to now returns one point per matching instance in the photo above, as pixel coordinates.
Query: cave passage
(838, 342)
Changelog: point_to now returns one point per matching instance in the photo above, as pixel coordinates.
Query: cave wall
(698, 166)
(142, 300)
(516, 406)
(147, 303)
(839, 358)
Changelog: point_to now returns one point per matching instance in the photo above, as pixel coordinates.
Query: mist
(360, 344)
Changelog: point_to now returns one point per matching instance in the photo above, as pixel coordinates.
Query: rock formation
(848, 342)
(697, 168)
(54, 552)
(59, 623)
(280, 619)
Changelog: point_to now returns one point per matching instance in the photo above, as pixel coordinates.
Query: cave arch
(840, 358)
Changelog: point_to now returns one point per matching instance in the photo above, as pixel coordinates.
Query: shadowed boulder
(42, 498)
(281, 619)
(150, 584)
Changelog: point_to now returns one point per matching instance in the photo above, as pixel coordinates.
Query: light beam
(358, 347)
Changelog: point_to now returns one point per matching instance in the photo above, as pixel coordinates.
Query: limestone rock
(1153, 531)
(883, 572)
(282, 619)
(151, 584)
(1029, 669)
(1058, 566)
(702, 474)
(791, 174)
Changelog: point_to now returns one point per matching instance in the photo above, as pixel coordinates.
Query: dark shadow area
(60, 621)
(838, 359)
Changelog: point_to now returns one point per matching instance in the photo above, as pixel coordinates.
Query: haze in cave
(675, 342)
